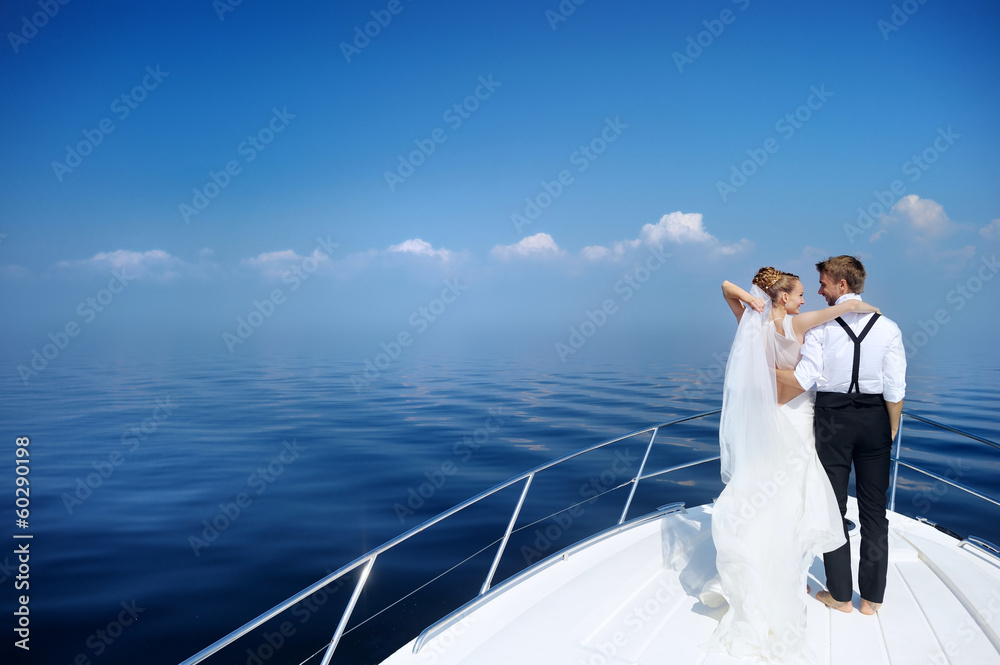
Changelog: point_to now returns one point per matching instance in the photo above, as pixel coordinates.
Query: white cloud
(743, 245)
(925, 217)
(620, 247)
(275, 264)
(923, 227)
(615, 253)
(677, 228)
(267, 259)
(152, 264)
(124, 258)
(594, 252)
(991, 231)
(538, 245)
(687, 228)
(420, 248)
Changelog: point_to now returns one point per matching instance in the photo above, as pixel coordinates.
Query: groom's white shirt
(828, 357)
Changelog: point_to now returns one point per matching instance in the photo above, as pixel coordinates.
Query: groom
(857, 365)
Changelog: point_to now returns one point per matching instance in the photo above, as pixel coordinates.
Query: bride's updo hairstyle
(774, 282)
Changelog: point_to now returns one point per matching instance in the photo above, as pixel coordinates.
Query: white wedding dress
(778, 510)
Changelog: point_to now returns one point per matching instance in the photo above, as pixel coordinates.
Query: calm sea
(171, 501)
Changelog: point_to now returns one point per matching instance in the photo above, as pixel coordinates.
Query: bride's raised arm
(806, 320)
(736, 296)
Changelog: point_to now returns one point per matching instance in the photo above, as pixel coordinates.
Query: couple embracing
(806, 396)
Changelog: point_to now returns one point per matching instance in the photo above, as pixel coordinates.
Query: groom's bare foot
(828, 600)
(869, 608)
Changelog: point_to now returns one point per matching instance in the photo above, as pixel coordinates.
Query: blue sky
(513, 170)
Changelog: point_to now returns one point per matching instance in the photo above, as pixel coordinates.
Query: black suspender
(854, 387)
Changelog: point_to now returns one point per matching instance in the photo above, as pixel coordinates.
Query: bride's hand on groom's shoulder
(862, 306)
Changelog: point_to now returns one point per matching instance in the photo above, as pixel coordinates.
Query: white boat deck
(627, 599)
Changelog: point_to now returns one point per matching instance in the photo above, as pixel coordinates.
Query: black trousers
(855, 429)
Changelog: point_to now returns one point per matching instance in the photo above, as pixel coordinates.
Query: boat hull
(629, 595)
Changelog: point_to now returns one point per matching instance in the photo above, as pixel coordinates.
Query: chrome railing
(366, 561)
(897, 462)
(970, 541)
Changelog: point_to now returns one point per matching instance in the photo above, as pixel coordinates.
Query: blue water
(301, 474)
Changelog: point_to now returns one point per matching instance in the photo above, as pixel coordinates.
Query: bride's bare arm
(787, 377)
(735, 297)
(807, 320)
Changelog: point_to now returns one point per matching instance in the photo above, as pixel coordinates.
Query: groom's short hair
(847, 268)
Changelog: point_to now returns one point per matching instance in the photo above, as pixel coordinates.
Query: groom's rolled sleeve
(894, 369)
(809, 371)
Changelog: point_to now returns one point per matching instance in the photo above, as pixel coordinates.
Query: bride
(777, 511)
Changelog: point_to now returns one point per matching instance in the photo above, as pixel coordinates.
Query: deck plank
(690, 621)
(856, 638)
(960, 636)
(632, 630)
(905, 628)
(964, 575)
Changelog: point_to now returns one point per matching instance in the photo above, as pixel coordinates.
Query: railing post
(635, 481)
(506, 536)
(895, 463)
(347, 612)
